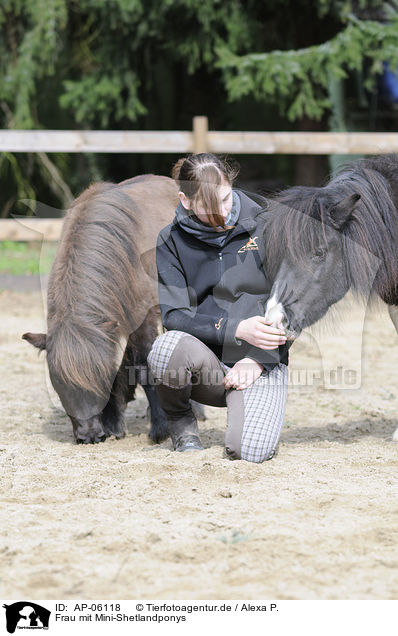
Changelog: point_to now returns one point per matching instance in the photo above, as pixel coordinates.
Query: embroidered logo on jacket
(218, 324)
(250, 245)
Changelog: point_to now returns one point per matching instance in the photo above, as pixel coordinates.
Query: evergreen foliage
(148, 64)
(298, 79)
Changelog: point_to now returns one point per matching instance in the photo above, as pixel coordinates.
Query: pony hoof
(158, 435)
(159, 430)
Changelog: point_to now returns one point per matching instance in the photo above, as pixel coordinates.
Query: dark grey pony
(322, 242)
(103, 310)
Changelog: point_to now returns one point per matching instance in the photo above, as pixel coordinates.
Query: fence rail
(200, 139)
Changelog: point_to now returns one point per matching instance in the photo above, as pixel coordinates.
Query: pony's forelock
(295, 225)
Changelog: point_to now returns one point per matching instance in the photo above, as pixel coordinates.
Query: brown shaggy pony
(102, 304)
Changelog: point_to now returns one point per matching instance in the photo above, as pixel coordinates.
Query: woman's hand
(258, 332)
(243, 374)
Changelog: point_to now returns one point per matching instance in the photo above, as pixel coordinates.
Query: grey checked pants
(255, 415)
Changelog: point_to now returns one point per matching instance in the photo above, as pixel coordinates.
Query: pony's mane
(96, 249)
(297, 218)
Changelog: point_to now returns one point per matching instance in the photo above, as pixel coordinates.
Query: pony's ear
(38, 340)
(343, 210)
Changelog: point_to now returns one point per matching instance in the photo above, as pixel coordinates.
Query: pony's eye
(319, 255)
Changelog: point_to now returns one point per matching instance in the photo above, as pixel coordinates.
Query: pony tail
(176, 171)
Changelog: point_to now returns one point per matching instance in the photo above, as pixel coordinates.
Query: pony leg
(393, 311)
(113, 418)
(159, 429)
(140, 344)
(113, 413)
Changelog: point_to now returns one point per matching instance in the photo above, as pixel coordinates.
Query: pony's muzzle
(275, 313)
(88, 431)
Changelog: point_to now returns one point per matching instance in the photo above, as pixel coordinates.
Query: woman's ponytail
(175, 173)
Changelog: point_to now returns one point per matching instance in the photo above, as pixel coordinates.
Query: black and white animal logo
(26, 615)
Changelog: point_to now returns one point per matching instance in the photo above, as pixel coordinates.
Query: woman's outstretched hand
(258, 332)
(243, 374)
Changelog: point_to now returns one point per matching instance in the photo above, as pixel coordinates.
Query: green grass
(26, 258)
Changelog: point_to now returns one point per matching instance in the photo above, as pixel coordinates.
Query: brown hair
(197, 175)
(98, 290)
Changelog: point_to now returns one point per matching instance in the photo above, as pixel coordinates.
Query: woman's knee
(169, 356)
(258, 455)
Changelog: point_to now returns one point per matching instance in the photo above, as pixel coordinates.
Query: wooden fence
(200, 139)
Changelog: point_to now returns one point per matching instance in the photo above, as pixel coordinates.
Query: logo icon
(250, 245)
(26, 615)
(218, 324)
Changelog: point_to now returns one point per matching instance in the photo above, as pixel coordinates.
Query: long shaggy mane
(85, 296)
(297, 218)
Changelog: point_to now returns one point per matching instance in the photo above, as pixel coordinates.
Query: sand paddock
(129, 519)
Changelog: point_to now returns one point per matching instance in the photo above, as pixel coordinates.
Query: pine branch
(298, 79)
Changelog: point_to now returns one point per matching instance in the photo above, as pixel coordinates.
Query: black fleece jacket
(207, 290)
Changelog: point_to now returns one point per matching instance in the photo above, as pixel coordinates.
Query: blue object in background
(389, 84)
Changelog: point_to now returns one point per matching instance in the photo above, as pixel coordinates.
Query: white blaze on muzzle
(275, 313)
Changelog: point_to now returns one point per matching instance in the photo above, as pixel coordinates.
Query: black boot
(182, 423)
(184, 433)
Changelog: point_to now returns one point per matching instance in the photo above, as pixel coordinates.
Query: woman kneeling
(218, 348)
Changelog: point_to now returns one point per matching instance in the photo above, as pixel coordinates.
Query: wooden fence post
(200, 130)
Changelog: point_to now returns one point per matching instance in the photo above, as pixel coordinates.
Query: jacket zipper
(220, 261)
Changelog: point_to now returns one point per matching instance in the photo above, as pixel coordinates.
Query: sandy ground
(128, 519)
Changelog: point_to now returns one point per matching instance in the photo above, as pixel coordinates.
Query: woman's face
(224, 192)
